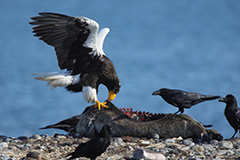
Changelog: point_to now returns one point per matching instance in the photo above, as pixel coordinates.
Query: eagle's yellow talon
(99, 105)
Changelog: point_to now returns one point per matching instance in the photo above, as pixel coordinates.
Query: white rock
(3, 145)
(143, 154)
(226, 144)
(169, 140)
(116, 141)
(145, 142)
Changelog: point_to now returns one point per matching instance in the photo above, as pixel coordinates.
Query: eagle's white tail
(58, 79)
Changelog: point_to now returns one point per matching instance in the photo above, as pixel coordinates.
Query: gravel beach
(43, 147)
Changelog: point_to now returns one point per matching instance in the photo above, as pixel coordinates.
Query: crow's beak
(222, 100)
(156, 92)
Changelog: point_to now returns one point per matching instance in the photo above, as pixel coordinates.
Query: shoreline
(57, 146)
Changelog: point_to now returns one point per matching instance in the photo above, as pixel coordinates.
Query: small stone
(178, 139)
(2, 137)
(214, 142)
(3, 145)
(131, 149)
(144, 143)
(44, 135)
(142, 154)
(229, 152)
(236, 145)
(222, 152)
(153, 135)
(7, 139)
(33, 155)
(185, 148)
(188, 142)
(23, 138)
(237, 151)
(56, 135)
(67, 143)
(225, 145)
(19, 146)
(117, 141)
(169, 140)
(28, 145)
(198, 148)
(208, 147)
(36, 136)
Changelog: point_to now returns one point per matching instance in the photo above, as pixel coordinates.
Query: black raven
(182, 99)
(232, 112)
(95, 147)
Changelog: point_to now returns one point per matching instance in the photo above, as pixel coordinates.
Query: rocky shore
(45, 147)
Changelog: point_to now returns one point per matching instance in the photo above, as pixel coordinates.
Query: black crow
(232, 112)
(79, 48)
(95, 147)
(182, 99)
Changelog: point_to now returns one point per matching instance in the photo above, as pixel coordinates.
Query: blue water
(190, 45)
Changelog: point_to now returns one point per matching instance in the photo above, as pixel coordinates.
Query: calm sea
(191, 45)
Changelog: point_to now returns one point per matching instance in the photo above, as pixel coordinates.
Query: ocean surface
(191, 45)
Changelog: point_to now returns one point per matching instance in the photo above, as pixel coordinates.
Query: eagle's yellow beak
(111, 95)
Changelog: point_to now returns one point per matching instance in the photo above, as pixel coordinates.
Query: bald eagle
(79, 48)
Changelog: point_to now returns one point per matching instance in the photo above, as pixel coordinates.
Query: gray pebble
(236, 145)
(23, 138)
(153, 135)
(3, 145)
(222, 152)
(208, 147)
(226, 144)
(237, 151)
(67, 143)
(169, 140)
(117, 141)
(131, 149)
(188, 142)
(207, 153)
(7, 139)
(19, 146)
(44, 135)
(28, 145)
(229, 152)
(186, 148)
(214, 142)
(36, 136)
(3, 137)
(197, 148)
